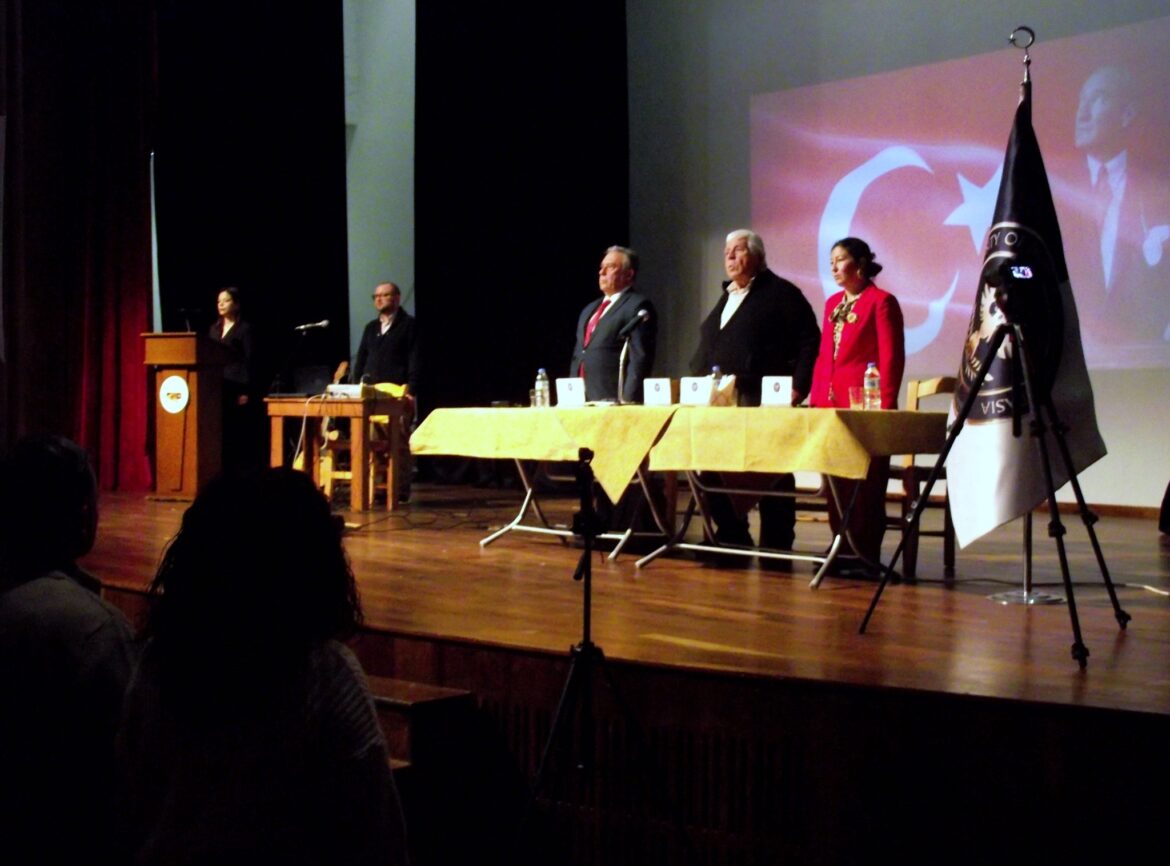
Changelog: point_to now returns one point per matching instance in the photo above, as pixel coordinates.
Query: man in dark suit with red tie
(600, 330)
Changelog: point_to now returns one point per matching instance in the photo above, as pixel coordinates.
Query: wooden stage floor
(422, 574)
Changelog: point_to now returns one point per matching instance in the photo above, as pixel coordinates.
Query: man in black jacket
(389, 353)
(389, 347)
(762, 325)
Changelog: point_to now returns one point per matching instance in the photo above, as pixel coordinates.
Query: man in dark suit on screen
(1121, 276)
(600, 327)
(761, 325)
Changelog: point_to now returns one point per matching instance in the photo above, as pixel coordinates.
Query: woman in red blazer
(862, 324)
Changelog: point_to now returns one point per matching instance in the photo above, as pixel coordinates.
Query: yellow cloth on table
(779, 439)
(394, 390)
(619, 436)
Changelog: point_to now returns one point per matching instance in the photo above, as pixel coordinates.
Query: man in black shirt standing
(389, 347)
(761, 325)
(389, 353)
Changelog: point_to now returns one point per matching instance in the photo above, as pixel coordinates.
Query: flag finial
(1024, 38)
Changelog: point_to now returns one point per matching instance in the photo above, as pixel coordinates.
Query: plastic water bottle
(542, 391)
(872, 382)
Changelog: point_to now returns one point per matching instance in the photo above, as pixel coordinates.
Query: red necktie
(590, 327)
(594, 319)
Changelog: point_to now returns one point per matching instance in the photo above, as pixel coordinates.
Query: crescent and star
(975, 213)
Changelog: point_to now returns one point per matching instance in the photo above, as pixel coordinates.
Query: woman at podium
(241, 427)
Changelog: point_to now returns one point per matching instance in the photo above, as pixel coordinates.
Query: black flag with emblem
(993, 475)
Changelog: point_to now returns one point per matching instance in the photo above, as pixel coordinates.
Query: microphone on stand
(186, 313)
(642, 315)
(624, 334)
(324, 323)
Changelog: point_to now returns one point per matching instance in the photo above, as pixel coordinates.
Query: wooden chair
(334, 447)
(913, 481)
(380, 456)
(335, 453)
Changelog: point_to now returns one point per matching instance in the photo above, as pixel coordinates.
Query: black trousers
(777, 513)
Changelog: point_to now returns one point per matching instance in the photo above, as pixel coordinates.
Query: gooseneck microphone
(643, 315)
(324, 323)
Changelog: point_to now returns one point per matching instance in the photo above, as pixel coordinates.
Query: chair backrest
(918, 390)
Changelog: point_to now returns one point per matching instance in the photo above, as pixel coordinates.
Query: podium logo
(173, 394)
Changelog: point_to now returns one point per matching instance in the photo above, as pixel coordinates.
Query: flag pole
(1025, 273)
(1024, 38)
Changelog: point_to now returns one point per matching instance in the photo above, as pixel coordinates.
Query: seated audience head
(255, 576)
(48, 507)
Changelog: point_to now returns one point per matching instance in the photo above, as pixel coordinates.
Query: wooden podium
(188, 411)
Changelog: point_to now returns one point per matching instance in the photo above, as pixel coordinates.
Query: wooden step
(417, 717)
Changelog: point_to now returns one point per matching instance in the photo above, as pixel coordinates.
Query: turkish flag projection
(911, 161)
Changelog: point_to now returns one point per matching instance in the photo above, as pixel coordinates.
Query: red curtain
(78, 92)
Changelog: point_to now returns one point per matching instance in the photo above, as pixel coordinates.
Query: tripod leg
(1088, 518)
(568, 699)
(936, 470)
(1056, 529)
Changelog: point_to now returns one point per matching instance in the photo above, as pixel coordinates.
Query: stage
(783, 731)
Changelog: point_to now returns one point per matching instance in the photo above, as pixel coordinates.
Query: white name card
(776, 391)
(659, 392)
(570, 393)
(696, 390)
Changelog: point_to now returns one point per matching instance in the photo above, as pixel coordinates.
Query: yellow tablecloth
(619, 436)
(774, 439)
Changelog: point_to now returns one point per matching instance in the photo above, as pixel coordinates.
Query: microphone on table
(642, 315)
(324, 323)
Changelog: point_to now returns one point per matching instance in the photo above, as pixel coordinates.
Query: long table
(620, 437)
(838, 443)
(833, 442)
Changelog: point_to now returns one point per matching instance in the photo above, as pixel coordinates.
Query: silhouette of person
(65, 660)
(249, 733)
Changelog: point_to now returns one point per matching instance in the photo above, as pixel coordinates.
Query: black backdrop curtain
(250, 171)
(244, 105)
(521, 182)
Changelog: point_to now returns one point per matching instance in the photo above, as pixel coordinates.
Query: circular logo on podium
(173, 394)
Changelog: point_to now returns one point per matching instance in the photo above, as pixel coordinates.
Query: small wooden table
(359, 411)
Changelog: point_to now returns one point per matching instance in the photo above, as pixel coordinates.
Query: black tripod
(586, 656)
(586, 659)
(1023, 394)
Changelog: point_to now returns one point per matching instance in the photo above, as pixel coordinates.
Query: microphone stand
(275, 385)
(622, 369)
(575, 720)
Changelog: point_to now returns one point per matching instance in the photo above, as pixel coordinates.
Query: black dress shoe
(726, 560)
(734, 537)
(780, 565)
